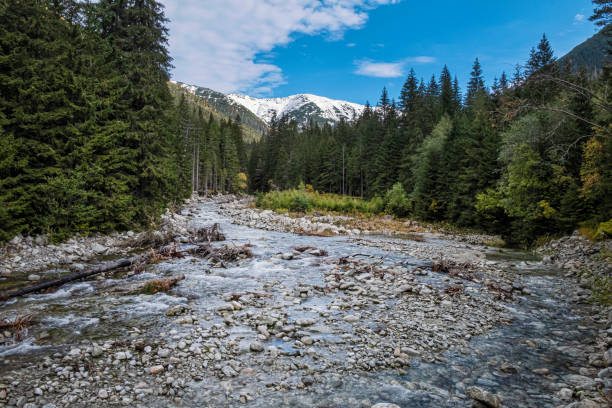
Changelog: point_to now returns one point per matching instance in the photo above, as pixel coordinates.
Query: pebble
(157, 369)
(487, 398)
(256, 347)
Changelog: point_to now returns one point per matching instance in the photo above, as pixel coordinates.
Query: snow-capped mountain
(301, 108)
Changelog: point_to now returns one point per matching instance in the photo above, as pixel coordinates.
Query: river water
(545, 329)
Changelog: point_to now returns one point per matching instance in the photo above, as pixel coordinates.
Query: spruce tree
(476, 84)
(447, 102)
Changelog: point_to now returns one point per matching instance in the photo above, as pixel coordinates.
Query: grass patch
(497, 243)
(602, 290)
(305, 201)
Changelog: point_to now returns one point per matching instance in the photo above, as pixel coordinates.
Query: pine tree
(602, 14)
(476, 84)
(137, 33)
(408, 100)
(42, 107)
(503, 82)
(540, 58)
(447, 103)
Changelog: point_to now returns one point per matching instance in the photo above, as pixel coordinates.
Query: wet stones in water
(256, 347)
(485, 398)
(176, 310)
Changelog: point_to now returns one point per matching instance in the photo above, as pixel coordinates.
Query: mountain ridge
(302, 108)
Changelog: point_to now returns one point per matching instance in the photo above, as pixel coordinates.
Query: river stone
(352, 318)
(33, 277)
(227, 307)
(487, 398)
(608, 357)
(308, 321)
(565, 394)
(162, 352)
(256, 347)
(176, 310)
(103, 394)
(156, 369)
(307, 340)
(229, 371)
(385, 405)
(98, 248)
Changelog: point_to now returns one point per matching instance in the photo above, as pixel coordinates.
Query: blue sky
(350, 49)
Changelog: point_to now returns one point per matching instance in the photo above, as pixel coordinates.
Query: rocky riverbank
(30, 255)
(589, 264)
(355, 320)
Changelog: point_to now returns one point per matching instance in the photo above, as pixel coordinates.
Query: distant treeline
(90, 137)
(530, 156)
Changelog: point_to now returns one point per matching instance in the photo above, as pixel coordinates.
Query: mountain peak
(302, 108)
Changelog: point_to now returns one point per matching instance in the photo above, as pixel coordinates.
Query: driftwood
(75, 276)
(163, 253)
(160, 285)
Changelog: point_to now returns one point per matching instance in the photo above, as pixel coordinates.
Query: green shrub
(604, 230)
(300, 202)
(396, 202)
(304, 200)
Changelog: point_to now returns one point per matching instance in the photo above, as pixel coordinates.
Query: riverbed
(343, 321)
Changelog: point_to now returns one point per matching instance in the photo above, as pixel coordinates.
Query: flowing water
(99, 310)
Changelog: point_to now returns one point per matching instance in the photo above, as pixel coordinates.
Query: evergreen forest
(91, 138)
(527, 157)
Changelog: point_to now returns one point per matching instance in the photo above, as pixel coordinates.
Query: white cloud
(216, 43)
(421, 60)
(389, 69)
(380, 69)
(350, 45)
(579, 17)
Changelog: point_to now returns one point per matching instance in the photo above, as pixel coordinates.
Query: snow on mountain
(300, 108)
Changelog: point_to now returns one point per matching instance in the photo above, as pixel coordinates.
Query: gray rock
(175, 310)
(229, 371)
(98, 248)
(608, 357)
(33, 277)
(385, 405)
(485, 397)
(605, 373)
(565, 394)
(103, 394)
(256, 347)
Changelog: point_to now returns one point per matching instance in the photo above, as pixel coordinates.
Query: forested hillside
(529, 156)
(222, 108)
(90, 136)
(591, 55)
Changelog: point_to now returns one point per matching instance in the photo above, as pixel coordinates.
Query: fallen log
(75, 276)
(166, 251)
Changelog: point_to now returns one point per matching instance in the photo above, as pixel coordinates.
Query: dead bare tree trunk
(208, 235)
